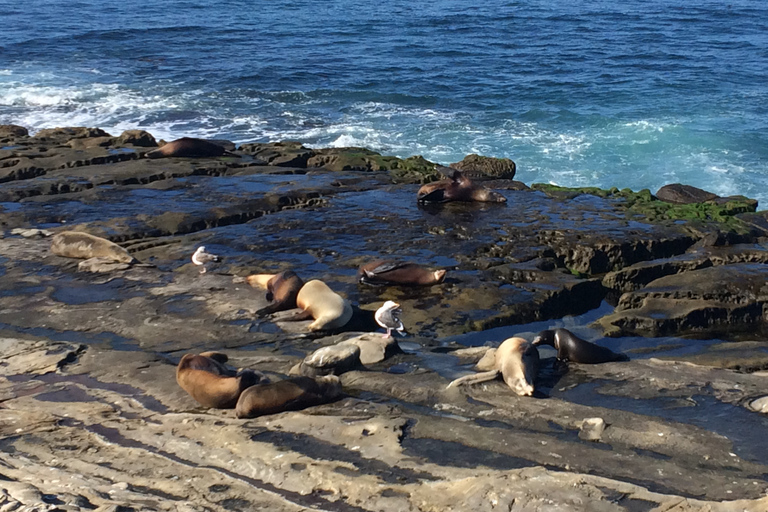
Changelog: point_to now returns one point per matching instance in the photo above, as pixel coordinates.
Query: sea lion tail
(474, 379)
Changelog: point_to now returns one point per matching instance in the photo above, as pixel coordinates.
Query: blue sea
(637, 93)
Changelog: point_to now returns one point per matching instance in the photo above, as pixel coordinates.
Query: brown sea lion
(398, 272)
(287, 395)
(212, 384)
(282, 290)
(457, 188)
(572, 348)
(188, 147)
(329, 309)
(75, 244)
(516, 360)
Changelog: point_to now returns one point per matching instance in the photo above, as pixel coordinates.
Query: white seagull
(201, 257)
(387, 316)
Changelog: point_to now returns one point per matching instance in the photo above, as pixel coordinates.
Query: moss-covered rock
(479, 167)
(415, 169)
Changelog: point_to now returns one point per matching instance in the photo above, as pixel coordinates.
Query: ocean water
(635, 94)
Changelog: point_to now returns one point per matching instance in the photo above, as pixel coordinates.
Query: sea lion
(188, 147)
(212, 384)
(282, 290)
(76, 244)
(398, 272)
(572, 348)
(457, 188)
(287, 395)
(329, 309)
(516, 360)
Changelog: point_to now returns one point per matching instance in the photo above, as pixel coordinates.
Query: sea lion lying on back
(76, 244)
(457, 188)
(329, 309)
(282, 290)
(516, 360)
(188, 147)
(212, 384)
(287, 395)
(572, 348)
(398, 272)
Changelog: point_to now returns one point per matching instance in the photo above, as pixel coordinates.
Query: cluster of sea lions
(212, 384)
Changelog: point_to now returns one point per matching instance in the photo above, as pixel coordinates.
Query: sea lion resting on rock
(188, 147)
(76, 244)
(282, 290)
(398, 272)
(572, 348)
(212, 384)
(516, 360)
(287, 395)
(329, 309)
(457, 188)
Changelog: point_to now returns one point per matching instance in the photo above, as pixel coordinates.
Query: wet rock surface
(91, 416)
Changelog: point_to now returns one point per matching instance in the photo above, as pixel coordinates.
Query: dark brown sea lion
(398, 272)
(287, 395)
(516, 360)
(457, 188)
(212, 384)
(75, 244)
(188, 147)
(329, 309)
(282, 290)
(572, 348)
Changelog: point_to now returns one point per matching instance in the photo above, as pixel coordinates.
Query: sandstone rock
(683, 194)
(591, 429)
(91, 142)
(479, 167)
(12, 130)
(137, 138)
(282, 154)
(68, 133)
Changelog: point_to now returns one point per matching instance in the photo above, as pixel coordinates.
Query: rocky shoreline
(681, 432)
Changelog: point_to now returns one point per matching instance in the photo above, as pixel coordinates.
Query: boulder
(137, 138)
(683, 194)
(486, 167)
(67, 133)
(12, 130)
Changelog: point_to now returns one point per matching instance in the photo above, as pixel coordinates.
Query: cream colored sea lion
(457, 188)
(76, 244)
(329, 309)
(516, 360)
(188, 147)
(282, 290)
(212, 384)
(287, 395)
(398, 272)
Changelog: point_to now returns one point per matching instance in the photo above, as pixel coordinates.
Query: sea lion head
(439, 275)
(544, 338)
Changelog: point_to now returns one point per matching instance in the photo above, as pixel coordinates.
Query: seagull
(201, 257)
(387, 317)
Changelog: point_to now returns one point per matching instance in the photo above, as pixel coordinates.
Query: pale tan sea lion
(76, 244)
(282, 290)
(287, 395)
(457, 188)
(516, 360)
(188, 147)
(329, 309)
(399, 272)
(212, 384)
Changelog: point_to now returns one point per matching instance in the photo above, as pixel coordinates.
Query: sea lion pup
(572, 348)
(287, 395)
(282, 290)
(457, 188)
(212, 384)
(516, 360)
(76, 244)
(188, 147)
(329, 309)
(398, 272)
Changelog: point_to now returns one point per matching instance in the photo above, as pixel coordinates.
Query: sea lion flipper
(219, 357)
(474, 378)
